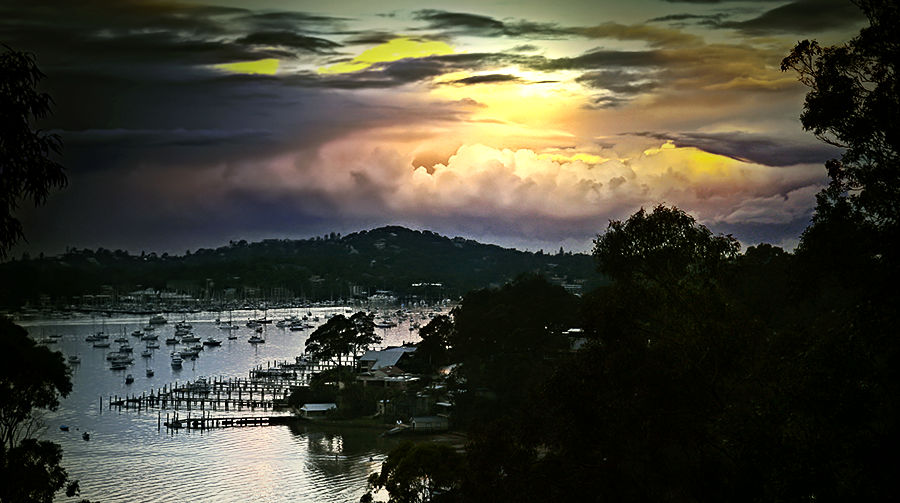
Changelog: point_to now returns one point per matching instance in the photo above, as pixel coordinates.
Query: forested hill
(327, 267)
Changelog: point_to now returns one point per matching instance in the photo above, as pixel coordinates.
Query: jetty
(265, 388)
(205, 422)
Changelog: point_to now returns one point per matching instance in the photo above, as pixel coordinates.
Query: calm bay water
(128, 460)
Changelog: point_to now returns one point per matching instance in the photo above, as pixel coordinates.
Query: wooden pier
(209, 422)
(265, 388)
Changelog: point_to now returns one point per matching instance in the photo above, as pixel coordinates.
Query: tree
(31, 378)
(418, 473)
(364, 335)
(853, 103)
(664, 246)
(26, 168)
(434, 348)
(331, 340)
(341, 336)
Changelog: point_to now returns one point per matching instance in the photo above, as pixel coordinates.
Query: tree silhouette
(854, 103)
(27, 171)
(341, 336)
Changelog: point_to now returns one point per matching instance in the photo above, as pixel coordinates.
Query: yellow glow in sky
(259, 67)
(580, 156)
(531, 100)
(396, 49)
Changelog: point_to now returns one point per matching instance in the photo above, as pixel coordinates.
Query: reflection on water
(129, 459)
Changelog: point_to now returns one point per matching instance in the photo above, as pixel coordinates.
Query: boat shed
(313, 410)
(429, 423)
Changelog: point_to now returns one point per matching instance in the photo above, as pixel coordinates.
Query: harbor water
(129, 458)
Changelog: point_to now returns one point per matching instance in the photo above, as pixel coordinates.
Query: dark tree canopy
(663, 246)
(418, 473)
(854, 102)
(31, 377)
(341, 336)
(27, 171)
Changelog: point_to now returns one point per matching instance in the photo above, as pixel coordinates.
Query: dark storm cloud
(618, 81)
(369, 37)
(289, 39)
(751, 147)
(475, 24)
(493, 78)
(801, 16)
(711, 19)
(128, 36)
(601, 58)
(718, 1)
(283, 20)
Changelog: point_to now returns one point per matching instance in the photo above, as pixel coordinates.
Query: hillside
(330, 267)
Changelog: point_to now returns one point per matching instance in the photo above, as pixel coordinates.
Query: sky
(529, 124)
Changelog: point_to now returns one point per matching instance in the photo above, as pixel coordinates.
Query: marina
(208, 452)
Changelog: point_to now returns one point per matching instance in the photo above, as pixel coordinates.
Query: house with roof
(387, 357)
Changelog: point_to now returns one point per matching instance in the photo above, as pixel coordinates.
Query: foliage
(433, 351)
(503, 338)
(26, 168)
(35, 468)
(341, 336)
(854, 102)
(31, 377)
(414, 265)
(664, 247)
(418, 473)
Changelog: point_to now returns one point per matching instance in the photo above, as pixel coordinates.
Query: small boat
(184, 325)
(118, 365)
(101, 344)
(176, 360)
(64, 427)
(129, 379)
(146, 353)
(125, 348)
(86, 436)
(256, 340)
(74, 359)
(121, 339)
(190, 339)
(259, 330)
(158, 320)
(172, 340)
(137, 333)
(212, 342)
(149, 337)
(232, 336)
(149, 372)
(149, 328)
(152, 345)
